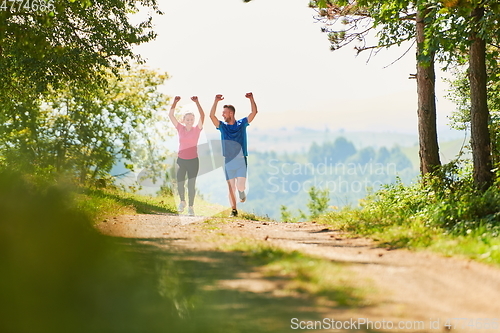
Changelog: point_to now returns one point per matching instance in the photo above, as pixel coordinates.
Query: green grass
(395, 229)
(394, 224)
(444, 213)
(100, 204)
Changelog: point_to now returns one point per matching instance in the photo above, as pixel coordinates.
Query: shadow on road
(193, 284)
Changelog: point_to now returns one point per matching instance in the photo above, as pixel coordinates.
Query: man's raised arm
(214, 108)
(254, 107)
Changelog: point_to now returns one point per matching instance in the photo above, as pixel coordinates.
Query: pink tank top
(188, 141)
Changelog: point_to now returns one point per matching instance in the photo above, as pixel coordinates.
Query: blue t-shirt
(234, 138)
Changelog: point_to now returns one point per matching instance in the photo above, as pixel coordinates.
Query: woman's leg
(192, 172)
(181, 178)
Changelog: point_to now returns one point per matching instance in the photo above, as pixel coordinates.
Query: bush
(60, 275)
(445, 202)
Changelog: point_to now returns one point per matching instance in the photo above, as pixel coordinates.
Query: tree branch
(404, 53)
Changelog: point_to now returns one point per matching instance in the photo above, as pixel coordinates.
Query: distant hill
(271, 150)
(447, 151)
(300, 139)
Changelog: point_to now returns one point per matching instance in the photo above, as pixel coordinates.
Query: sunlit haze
(276, 50)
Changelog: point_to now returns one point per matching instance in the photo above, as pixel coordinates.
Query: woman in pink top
(187, 158)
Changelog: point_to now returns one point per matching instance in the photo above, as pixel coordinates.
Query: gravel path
(417, 288)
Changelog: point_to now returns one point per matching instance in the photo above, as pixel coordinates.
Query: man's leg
(241, 174)
(232, 188)
(240, 184)
(230, 171)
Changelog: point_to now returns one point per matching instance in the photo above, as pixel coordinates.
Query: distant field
(300, 139)
(447, 151)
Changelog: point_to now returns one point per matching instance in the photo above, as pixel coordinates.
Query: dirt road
(416, 291)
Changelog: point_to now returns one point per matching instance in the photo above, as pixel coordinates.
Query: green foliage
(57, 62)
(68, 42)
(100, 204)
(459, 94)
(390, 20)
(251, 216)
(60, 275)
(286, 215)
(446, 200)
(166, 189)
(318, 201)
(84, 132)
(442, 208)
(317, 205)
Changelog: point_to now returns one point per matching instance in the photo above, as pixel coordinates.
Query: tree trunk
(426, 78)
(480, 135)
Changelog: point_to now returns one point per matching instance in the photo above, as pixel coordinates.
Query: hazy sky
(275, 49)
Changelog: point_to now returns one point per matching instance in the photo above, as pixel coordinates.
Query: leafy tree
(63, 41)
(399, 158)
(315, 154)
(442, 28)
(426, 80)
(460, 94)
(466, 28)
(395, 22)
(447, 29)
(87, 132)
(59, 44)
(343, 148)
(383, 155)
(480, 138)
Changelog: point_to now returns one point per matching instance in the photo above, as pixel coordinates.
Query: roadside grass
(102, 203)
(478, 245)
(442, 212)
(241, 215)
(393, 230)
(331, 282)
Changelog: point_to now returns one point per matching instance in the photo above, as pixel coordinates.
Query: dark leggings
(189, 168)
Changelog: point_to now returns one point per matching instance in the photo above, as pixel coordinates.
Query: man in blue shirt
(234, 147)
